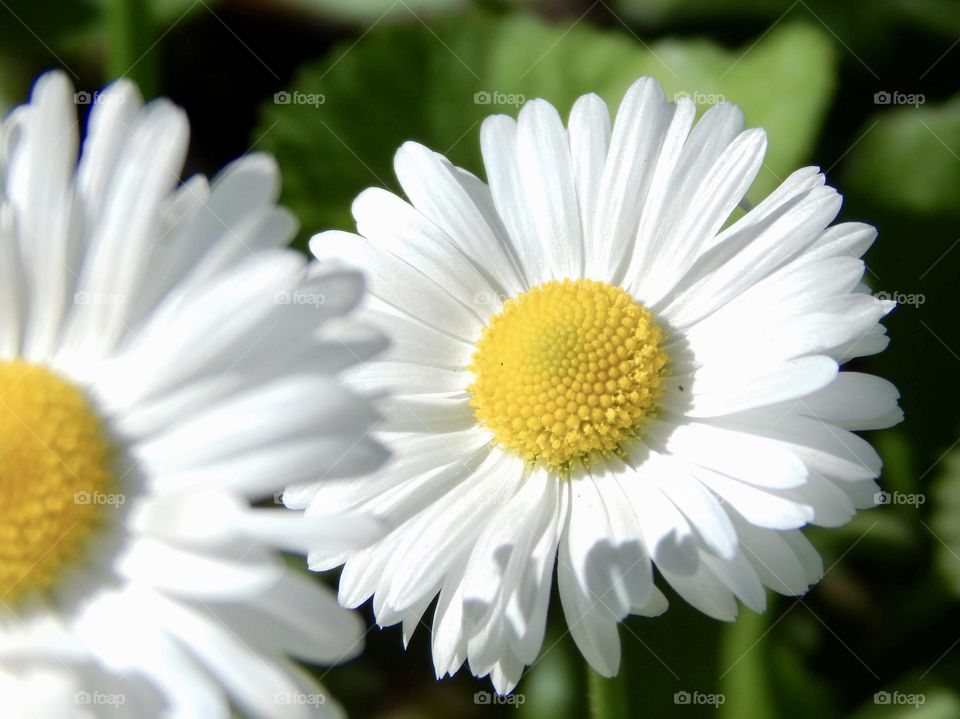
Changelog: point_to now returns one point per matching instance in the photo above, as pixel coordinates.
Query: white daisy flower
(593, 363)
(165, 361)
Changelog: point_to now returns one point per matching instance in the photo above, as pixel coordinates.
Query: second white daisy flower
(165, 362)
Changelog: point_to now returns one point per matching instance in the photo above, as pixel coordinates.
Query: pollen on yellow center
(567, 371)
(56, 462)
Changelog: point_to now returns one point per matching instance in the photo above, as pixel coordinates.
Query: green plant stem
(608, 697)
(131, 53)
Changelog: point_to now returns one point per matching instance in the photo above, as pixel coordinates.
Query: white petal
(449, 639)
(592, 627)
(830, 450)
(498, 142)
(705, 592)
(775, 561)
(668, 536)
(700, 507)
(589, 134)
(831, 506)
(712, 397)
(13, 301)
(117, 258)
(298, 616)
(441, 192)
(428, 413)
(381, 376)
(398, 228)
(109, 127)
(192, 574)
(607, 551)
(638, 131)
(757, 506)
(446, 526)
(547, 188)
(253, 680)
(855, 401)
(293, 405)
(741, 261)
(718, 193)
(740, 577)
(503, 547)
(740, 455)
(123, 643)
(399, 284)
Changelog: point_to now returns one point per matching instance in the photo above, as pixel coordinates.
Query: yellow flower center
(567, 372)
(56, 467)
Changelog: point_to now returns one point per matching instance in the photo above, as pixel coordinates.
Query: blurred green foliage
(906, 158)
(462, 70)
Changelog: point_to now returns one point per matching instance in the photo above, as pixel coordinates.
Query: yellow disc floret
(56, 465)
(567, 371)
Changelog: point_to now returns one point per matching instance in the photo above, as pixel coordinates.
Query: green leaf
(173, 12)
(375, 10)
(945, 521)
(347, 114)
(859, 30)
(909, 159)
(914, 699)
(34, 27)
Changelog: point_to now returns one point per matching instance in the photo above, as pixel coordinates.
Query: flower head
(145, 406)
(601, 363)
